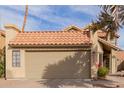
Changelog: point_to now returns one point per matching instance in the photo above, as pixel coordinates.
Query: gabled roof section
(40, 38)
(72, 28)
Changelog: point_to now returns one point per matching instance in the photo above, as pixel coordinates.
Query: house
(71, 53)
(2, 45)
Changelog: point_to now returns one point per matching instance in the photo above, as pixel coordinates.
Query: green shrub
(1, 69)
(102, 71)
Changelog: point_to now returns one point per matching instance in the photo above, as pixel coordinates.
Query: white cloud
(90, 10)
(46, 13)
(11, 18)
(41, 12)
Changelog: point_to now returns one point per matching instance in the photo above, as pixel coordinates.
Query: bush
(1, 69)
(102, 71)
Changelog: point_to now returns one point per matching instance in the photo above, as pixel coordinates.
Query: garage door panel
(66, 65)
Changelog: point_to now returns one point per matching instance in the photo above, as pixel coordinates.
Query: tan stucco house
(71, 53)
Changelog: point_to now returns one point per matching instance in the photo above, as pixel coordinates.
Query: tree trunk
(25, 18)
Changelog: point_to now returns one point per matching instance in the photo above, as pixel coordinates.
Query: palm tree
(108, 22)
(25, 18)
(117, 12)
(110, 19)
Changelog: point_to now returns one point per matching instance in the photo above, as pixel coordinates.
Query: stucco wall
(113, 61)
(41, 58)
(13, 72)
(96, 49)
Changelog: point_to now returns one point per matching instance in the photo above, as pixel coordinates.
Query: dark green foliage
(2, 63)
(1, 69)
(102, 72)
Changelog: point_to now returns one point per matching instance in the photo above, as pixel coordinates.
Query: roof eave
(109, 44)
(38, 46)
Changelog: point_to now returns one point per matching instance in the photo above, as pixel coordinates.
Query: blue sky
(55, 17)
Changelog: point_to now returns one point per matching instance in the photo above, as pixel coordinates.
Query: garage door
(57, 64)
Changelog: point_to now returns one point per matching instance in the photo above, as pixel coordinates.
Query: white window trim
(16, 57)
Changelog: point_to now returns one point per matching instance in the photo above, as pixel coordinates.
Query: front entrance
(106, 62)
(106, 59)
(109, 59)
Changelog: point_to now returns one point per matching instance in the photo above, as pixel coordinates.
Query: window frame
(16, 58)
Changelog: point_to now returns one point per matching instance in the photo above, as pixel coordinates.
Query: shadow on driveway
(78, 83)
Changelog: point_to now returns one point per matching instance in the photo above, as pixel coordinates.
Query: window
(16, 58)
(113, 41)
(100, 59)
(94, 55)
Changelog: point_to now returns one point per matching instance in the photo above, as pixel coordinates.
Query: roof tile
(120, 55)
(52, 38)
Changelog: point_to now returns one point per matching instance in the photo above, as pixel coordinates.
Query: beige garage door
(57, 65)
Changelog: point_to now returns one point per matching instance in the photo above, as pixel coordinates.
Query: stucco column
(112, 62)
(94, 57)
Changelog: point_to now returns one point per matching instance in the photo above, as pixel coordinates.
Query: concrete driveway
(110, 82)
(19, 84)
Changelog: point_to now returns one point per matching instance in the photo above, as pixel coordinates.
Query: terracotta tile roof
(52, 38)
(120, 55)
(103, 34)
